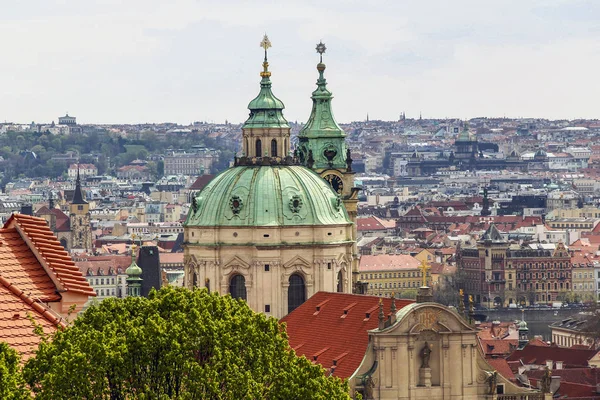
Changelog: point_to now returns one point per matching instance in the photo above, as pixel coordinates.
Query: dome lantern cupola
(266, 132)
(134, 276)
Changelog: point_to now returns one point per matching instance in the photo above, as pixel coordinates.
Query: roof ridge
(57, 263)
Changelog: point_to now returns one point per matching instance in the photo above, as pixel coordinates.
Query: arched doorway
(258, 148)
(63, 243)
(237, 287)
(296, 292)
(498, 302)
(340, 282)
(273, 148)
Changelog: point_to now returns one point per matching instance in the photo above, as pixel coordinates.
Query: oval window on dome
(236, 204)
(295, 203)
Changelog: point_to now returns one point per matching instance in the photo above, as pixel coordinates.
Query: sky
(136, 61)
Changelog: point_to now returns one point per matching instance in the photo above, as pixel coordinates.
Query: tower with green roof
(322, 147)
(134, 276)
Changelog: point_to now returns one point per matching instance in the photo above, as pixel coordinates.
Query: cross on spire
(265, 44)
(321, 49)
(424, 267)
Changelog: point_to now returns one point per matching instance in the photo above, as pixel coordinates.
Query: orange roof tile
(388, 262)
(331, 329)
(36, 240)
(15, 327)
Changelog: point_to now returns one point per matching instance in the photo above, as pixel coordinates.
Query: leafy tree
(176, 344)
(12, 385)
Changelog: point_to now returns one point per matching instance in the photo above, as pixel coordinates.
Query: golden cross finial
(265, 44)
(424, 267)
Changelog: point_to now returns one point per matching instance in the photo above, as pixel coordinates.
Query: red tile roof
(369, 224)
(15, 327)
(500, 365)
(498, 347)
(388, 262)
(538, 355)
(48, 251)
(332, 328)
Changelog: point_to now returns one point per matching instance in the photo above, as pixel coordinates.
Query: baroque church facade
(278, 226)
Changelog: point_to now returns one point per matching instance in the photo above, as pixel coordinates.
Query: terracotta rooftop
(538, 355)
(15, 327)
(388, 262)
(57, 264)
(331, 329)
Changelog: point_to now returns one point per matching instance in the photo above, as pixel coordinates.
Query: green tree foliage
(178, 344)
(12, 385)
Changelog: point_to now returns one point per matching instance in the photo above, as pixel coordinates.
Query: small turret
(134, 276)
(523, 334)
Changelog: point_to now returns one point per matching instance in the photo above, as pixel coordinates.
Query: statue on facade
(425, 355)
(492, 381)
(369, 385)
(348, 160)
(546, 381)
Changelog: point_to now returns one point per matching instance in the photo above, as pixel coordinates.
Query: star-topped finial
(265, 44)
(321, 49)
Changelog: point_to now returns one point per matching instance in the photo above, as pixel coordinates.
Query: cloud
(138, 61)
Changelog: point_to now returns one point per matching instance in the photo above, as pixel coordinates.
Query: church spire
(321, 125)
(77, 195)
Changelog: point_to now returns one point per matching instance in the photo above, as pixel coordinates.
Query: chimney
(559, 365)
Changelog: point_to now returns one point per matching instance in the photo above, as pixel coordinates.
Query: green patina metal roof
(321, 122)
(267, 196)
(322, 136)
(134, 272)
(266, 110)
(465, 136)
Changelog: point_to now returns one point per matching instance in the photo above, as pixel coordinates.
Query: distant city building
(85, 170)
(67, 120)
(193, 163)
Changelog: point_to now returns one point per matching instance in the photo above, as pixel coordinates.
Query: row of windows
(395, 285)
(557, 286)
(103, 281)
(544, 276)
(555, 265)
(106, 292)
(296, 291)
(387, 275)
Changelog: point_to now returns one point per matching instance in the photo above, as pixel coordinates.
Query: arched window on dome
(340, 282)
(273, 148)
(296, 292)
(258, 148)
(237, 287)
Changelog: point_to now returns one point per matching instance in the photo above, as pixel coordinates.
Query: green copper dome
(134, 272)
(267, 196)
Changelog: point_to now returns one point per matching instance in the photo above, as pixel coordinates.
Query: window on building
(273, 148)
(340, 282)
(237, 287)
(296, 292)
(258, 148)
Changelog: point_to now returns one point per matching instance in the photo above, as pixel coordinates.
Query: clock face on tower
(336, 182)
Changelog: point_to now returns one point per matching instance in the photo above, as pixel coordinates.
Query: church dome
(277, 195)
